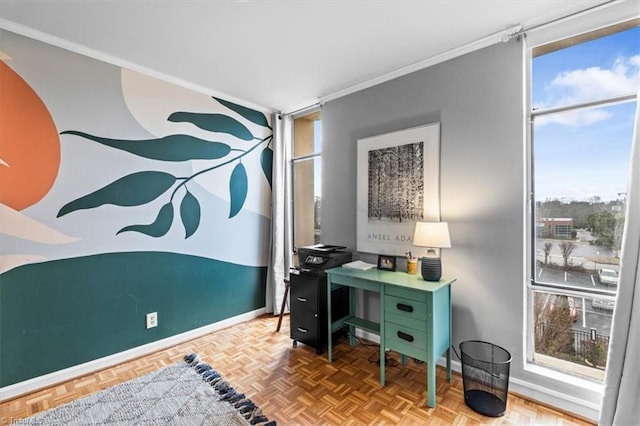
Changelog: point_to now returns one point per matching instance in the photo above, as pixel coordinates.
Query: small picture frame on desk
(387, 263)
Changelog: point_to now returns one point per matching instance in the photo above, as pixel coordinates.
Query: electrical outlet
(152, 320)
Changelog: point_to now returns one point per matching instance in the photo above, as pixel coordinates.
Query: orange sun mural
(29, 143)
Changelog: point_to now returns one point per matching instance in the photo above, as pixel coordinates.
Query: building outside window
(306, 175)
(583, 92)
(555, 227)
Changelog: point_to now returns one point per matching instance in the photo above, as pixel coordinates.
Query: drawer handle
(302, 330)
(403, 307)
(301, 299)
(405, 336)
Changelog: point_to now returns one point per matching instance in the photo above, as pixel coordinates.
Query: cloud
(590, 84)
(596, 83)
(578, 118)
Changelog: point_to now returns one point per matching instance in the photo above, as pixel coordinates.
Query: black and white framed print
(398, 181)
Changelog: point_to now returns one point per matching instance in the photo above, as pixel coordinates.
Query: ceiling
(276, 55)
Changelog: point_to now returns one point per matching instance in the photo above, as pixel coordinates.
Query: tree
(579, 211)
(558, 335)
(554, 335)
(566, 248)
(547, 250)
(395, 183)
(594, 200)
(602, 225)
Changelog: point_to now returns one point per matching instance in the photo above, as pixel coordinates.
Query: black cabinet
(308, 316)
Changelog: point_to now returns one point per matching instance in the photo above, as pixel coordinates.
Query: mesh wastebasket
(485, 377)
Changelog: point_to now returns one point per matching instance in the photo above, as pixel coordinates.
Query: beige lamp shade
(432, 234)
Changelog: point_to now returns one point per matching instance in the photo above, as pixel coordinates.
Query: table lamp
(431, 235)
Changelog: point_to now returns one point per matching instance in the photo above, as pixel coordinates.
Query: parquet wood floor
(294, 386)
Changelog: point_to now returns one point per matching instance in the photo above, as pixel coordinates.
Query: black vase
(431, 268)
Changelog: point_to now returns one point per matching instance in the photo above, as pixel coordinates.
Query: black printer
(314, 260)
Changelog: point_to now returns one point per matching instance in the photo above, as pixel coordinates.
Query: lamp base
(431, 269)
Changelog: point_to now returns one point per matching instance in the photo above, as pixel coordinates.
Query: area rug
(189, 393)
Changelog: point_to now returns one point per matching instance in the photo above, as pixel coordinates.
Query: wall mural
(166, 162)
(32, 166)
(120, 195)
(28, 169)
(143, 187)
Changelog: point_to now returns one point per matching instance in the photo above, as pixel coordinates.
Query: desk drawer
(406, 308)
(406, 340)
(416, 324)
(408, 293)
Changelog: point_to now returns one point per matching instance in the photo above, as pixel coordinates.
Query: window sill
(560, 370)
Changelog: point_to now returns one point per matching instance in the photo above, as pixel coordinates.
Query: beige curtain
(620, 402)
(278, 268)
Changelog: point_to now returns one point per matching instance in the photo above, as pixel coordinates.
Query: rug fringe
(240, 402)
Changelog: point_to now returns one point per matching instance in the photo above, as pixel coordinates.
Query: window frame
(292, 161)
(532, 286)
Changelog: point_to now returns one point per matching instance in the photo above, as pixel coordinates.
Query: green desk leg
(382, 339)
(450, 334)
(329, 324)
(403, 359)
(431, 384)
(352, 312)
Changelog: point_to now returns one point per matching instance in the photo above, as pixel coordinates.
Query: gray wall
(478, 99)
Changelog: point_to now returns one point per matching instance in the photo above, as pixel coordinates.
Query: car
(603, 305)
(608, 276)
(573, 309)
(558, 301)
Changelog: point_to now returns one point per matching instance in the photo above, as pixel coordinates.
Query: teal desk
(415, 317)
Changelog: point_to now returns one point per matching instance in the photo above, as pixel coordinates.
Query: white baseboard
(553, 398)
(542, 394)
(31, 385)
(372, 337)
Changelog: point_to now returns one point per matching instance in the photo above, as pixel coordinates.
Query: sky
(582, 154)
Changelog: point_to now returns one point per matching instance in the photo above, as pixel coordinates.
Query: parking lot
(590, 314)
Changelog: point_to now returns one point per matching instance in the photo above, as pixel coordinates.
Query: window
(583, 92)
(306, 172)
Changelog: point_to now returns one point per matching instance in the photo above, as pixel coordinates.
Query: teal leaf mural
(238, 186)
(250, 114)
(168, 148)
(213, 123)
(143, 187)
(158, 228)
(131, 190)
(266, 160)
(190, 214)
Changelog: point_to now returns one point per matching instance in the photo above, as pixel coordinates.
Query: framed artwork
(387, 263)
(398, 184)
